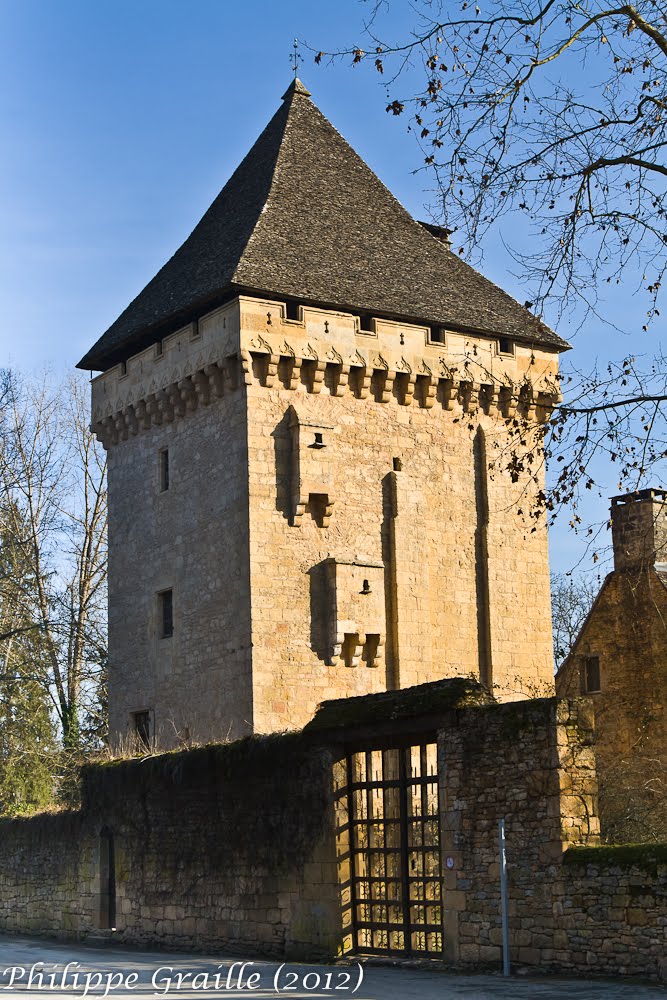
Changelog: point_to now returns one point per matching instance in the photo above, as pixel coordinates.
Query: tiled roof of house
(304, 218)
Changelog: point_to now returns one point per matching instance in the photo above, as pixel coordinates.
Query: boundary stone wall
(227, 845)
(233, 846)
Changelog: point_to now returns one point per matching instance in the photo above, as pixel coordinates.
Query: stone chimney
(639, 529)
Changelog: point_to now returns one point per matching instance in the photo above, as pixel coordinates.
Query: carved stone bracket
(261, 362)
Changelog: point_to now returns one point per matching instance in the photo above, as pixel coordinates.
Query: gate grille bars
(388, 836)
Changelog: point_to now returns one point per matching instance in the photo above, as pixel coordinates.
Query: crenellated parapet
(253, 342)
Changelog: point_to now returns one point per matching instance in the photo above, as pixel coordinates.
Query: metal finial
(295, 57)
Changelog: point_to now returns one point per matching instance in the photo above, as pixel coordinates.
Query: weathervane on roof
(295, 58)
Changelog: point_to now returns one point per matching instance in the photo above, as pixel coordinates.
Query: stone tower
(300, 411)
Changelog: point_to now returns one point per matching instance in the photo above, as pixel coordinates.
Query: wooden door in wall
(389, 858)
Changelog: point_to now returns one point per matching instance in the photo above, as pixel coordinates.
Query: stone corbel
(470, 393)
(327, 512)
(245, 362)
(425, 386)
(508, 400)
(271, 370)
(165, 405)
(121, 426)
(527, 398)
(384, 379)
(153, 410)
(175, 399)
(105, 431)
(450, 392)
(374, 661)
(292, 365)
(315, 370)
(131, 421)
(425, 391)
(406, 381)
(490, 404)
(188, 394)
(298, 510)
(343, 379)
(546, 403)
(339, 370)
(354, 648)
(142, 414)
(202, 384)
(362, 376)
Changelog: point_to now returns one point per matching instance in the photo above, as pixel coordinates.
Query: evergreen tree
(27, 738)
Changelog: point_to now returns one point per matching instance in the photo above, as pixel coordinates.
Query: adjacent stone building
(620, 660)
(307, 412)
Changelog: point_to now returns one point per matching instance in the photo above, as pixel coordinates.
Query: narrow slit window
(166, 613)
(164, 470)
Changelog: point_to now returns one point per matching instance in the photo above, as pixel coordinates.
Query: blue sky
(121, 120)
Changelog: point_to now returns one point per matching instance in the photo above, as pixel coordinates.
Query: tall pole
(503, 897)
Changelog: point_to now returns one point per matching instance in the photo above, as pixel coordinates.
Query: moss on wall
(431, 699)
(263, 797)
(621, 855)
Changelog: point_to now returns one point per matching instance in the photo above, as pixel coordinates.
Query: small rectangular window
(590, 675)
(164, 470)
(506, 346)
(166, 613)
(142, 727)
(436, 335)
(123, 369)
(159, 349)
(366, 324)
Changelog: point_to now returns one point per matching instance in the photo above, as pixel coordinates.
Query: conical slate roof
(303, 217)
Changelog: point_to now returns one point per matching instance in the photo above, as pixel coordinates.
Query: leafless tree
(53, 508)
(571, 599)
(555, 108)
(555, 111)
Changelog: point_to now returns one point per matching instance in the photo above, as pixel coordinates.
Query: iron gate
(388, 836)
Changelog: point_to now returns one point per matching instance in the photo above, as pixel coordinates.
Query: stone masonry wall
(627, 632)
(226, 846)
(408, 487)
(590, 909)
(191, 538)
(531, 764)
(47, 875)
(233, 846)
(610, 908)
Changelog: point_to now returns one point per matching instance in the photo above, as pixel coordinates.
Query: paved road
(114, 972)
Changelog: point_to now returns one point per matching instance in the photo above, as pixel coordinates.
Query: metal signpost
(503, 897)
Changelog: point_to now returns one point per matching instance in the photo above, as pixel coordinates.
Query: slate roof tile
(303, 217)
